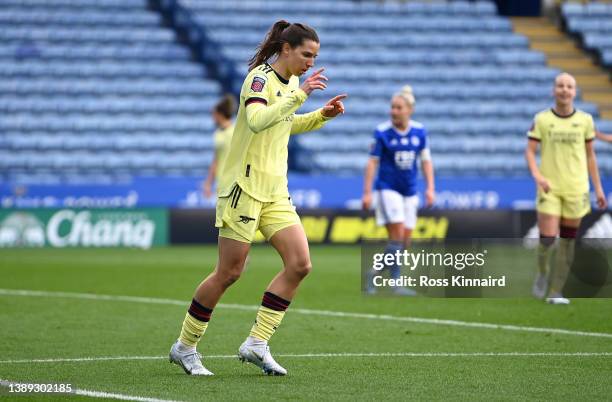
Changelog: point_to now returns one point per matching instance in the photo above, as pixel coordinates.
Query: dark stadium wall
(519, 8)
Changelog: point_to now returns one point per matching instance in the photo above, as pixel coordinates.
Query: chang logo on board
(68, 228)
(83, 228)
(22, 229)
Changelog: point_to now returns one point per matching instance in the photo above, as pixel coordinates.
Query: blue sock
(392, 248)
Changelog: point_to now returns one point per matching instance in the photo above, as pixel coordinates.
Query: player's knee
(230, 273)
(547, 241)
(301, 267)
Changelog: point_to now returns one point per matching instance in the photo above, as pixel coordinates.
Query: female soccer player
(222, 116)
(253, 192)
(565, 136)
(397, 146)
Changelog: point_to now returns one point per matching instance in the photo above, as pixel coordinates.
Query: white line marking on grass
(328, 355)
(85, 392)
(418, 320)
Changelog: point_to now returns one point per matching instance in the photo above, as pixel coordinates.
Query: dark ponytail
(280, 33)
(226, 106)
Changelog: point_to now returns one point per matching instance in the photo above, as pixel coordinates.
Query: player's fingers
(327, 107)
(319, 71)
(337, 98)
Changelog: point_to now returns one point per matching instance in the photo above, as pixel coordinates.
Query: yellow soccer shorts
(571, 206)
(239, 216)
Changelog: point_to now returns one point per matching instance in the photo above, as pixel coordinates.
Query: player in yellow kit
(222, 116)
(565, 137)
(253, 192)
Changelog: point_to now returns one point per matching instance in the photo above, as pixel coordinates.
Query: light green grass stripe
(418, 320)
(327, 355)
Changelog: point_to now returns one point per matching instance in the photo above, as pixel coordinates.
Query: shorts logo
(257, 84)
(245, 219)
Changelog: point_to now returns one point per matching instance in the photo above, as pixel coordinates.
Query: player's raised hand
(602, 201)
(334, 106)
(315, 81)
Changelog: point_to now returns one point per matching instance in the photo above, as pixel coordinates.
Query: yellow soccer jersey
(563, 150)
(222, 139)
(257, 159)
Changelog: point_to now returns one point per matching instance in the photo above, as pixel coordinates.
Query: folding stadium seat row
(474, 108)
(117, 87)
(135, 18)
(112, 104)
(165, 51)
(589, 24)
(598, 41)
(429, 91)
(346, 8)
(593, 9)
(85, 34)
(451, 73)
(105, 123)
(161, 69)
(84, 160)
(72, 4)
(369, 23)
(230, 37)
(438, 126)
(419, 56)
(100, 140)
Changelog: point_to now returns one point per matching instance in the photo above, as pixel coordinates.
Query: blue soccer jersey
(397, 155)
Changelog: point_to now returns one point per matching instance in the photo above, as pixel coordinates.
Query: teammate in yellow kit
(253, 192)
(565, 137)
(222, 116)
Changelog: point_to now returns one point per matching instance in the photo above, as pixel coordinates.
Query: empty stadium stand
(477, 83)
(102, 90)
(95, 91)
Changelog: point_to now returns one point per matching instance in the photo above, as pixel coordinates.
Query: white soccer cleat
(260, 356)
(540, 285)
(557, 299)
(189, 361)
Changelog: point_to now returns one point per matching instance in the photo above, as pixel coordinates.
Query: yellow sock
(563, 263)
(195, 324)
(269, 316)
(544, 252)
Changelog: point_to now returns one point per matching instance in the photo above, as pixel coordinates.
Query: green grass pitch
(424, 360)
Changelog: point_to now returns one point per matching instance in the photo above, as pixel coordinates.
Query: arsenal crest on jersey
(257, 84)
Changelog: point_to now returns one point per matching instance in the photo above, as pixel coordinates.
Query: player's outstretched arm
(261, 117)
(366, 200)
(530, 156)
(602, 202)
(603, 137)
(316, 119)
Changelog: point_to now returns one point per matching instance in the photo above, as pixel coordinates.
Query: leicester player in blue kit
(398, 145)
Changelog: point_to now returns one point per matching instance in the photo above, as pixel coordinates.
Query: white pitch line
(419, 320)
(85, 392)
(327, 355)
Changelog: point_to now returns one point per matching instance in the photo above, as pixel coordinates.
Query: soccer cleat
(260, 356)
(557, 298)
(540, 286)
(189, 361)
